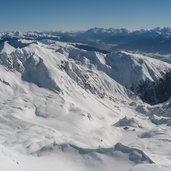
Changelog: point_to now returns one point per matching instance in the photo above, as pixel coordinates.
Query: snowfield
(64, 108)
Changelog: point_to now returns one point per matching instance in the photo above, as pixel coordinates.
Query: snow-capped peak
(6, 48)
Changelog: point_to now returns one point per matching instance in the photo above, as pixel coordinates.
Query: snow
(63, 108)
(128, 69)
(137, 68)
(6, 48)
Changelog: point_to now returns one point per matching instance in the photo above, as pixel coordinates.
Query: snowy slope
(129, 69)
(61, 104)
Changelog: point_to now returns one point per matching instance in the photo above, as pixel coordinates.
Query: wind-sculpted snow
(65, 108)
(128, 122)
(135, 155)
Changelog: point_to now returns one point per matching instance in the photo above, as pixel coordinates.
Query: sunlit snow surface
(68, 109)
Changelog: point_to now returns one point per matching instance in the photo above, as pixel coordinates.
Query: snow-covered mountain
(132, 70)
(64, 104)
(155, 40)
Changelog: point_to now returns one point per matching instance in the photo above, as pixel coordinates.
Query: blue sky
(45, 15)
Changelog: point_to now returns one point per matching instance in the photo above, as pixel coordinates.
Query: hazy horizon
(82, 30)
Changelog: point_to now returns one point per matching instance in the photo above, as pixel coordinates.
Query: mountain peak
(5, 47)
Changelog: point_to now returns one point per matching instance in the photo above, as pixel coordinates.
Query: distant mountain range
(156, 40)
